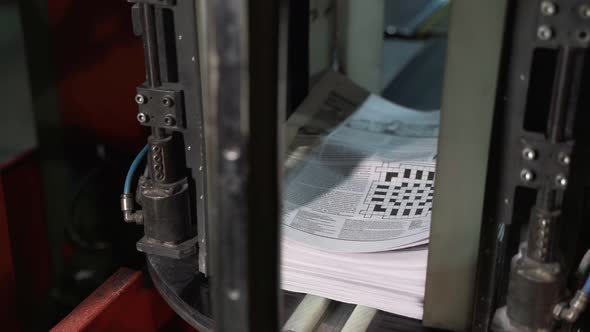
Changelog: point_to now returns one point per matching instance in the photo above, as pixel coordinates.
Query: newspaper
(359, 171)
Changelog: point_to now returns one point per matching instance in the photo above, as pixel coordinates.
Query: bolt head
(564, 159)
(548, 8)
(584, 11)
(231, 153)
(529, 154)
(167, 101)
(142, 118)
(561, 181)
(544, 32)
(390, 30)
(527, 175)
(169, 120)
(140, 99)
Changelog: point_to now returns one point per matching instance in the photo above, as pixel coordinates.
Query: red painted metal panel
(122, 303)
(99, 63)
(7, 278)
(24, 258)
(21, 182)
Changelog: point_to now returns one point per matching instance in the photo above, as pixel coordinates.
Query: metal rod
(150, 46)
(307, 315)
(158, 132)
(559, 103)
(542, 230)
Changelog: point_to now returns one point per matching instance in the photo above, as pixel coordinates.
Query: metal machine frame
(235, 123)
(210, 195)
(534, 72)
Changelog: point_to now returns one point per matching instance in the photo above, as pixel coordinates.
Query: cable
(586, 287)
(570, 312)
(133, 168)
(584, 264)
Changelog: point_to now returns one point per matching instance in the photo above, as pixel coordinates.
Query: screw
(233, 294)
(561, 181)
(158, 167)
(527, 175)
(584, 11)
(544, 32)
(390, 30)
(156, 148)
(564, 158)
(142, 118)
(157, 158)
(159, 176)
(529, 154)
(167, 101)
(169, 120)
(140, 99)
(231, 154)
(583, 36)
(548, 8)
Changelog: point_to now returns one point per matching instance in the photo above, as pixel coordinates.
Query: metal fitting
(548, 8)
(564, 158)
(127, 207)
(544, 32)
(127, 202)
(584, 11)
(571, 312)
(561, 181)
(167, 101)
(527, 175)
(169, 120)
(583, 36)
(140, 99)
(133, 217)
(529, 154)
(142, 117)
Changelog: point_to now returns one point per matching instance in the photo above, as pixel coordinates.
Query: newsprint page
(359, 171)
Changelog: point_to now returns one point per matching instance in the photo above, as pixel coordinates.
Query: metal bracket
(543, 162)
(177, 251)
(160, 107)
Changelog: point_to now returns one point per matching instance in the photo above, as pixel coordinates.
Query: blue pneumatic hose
(133, 168)
(586, 287)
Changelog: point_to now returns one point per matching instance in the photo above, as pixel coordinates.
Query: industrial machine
(507, 249)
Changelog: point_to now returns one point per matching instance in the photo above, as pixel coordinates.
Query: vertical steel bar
(150, 46)
(242, 135)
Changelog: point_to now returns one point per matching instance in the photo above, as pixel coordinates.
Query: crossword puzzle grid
(401, 192)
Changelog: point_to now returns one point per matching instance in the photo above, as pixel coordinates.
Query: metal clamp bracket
(160, 107)
(543, 163)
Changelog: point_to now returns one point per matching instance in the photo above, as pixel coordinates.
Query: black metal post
(244, 126)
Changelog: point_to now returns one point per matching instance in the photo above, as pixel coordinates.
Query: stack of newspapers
(358, 191)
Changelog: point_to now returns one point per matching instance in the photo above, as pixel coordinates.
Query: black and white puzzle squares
(402, 191)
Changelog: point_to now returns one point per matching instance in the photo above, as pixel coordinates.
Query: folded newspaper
(358, 191)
